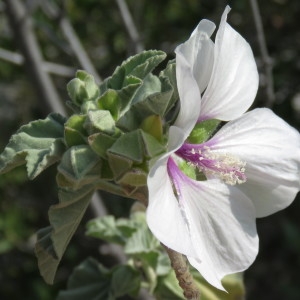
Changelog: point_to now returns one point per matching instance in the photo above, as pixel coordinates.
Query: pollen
(224, 166)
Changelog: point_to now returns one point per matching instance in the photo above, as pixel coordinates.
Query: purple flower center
(214, 164)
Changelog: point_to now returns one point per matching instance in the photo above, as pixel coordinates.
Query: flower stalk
(183, 275)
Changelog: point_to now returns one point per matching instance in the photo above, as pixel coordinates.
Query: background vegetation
(100, 28)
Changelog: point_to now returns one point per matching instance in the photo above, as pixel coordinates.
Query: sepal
(83, 88)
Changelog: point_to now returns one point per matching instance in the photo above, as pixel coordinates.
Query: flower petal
(198, 52)
(271, 150)
(234, 78)
(164, 216)
(221, 223)
(189, 95)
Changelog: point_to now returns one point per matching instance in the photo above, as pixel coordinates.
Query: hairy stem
(184, 277)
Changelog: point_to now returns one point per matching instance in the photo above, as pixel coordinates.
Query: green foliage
(75, 132)
(203, 131)
(143, 249)
(116, 129)
(138, 66)
(38, 145)
(82, 88)
(64, 219)
(91, 280)
(158, 103)
(153, 264)
(111, 230)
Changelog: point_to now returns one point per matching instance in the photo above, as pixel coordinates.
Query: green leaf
(125, 280)
(118, 101)
(152, 147)
(130, 146)
(77, 91)
(92, 281)
(80, 165)
(163, 264)
(48, 261)
(134, 177)
(64, 219)
(118, 164)
(153, 125)
(87, 106)
(110, 101)
(157, 103)
(79, 173)
(100, 120)
(111, 230)
(129, 149)
(82, 88)
(202, 131)
(100, 143)
(38, 145)
(138, 66)
(167, 288)
(170, 74)
(75, 133)
(150, 85)
(142, 240)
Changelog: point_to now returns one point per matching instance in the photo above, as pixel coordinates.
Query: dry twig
(264, 54)
(130, 26)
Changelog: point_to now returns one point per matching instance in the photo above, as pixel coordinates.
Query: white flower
(252, 163)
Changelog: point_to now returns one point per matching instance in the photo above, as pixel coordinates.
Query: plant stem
(184, 277)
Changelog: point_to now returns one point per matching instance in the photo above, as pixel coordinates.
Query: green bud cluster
(118, 127)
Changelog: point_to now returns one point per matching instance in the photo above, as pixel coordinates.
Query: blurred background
(43, 43)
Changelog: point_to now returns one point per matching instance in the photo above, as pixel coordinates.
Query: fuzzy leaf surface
(38, 144)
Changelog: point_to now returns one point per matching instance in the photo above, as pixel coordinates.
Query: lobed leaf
(100, 143)
(64, 219)
(158, 103)
(129, 149)
(38, 144)
(100, 120)
(111, 230)
(142, 240)
(79, 165)
(138, 66)
(117, 102)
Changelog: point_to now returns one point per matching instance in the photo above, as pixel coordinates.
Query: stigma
(212, 164)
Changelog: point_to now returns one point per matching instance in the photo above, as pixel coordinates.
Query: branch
(48, 67)
(22, 28)
(264, 53)
(129, 24)
(183, 275)
(53, 12)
